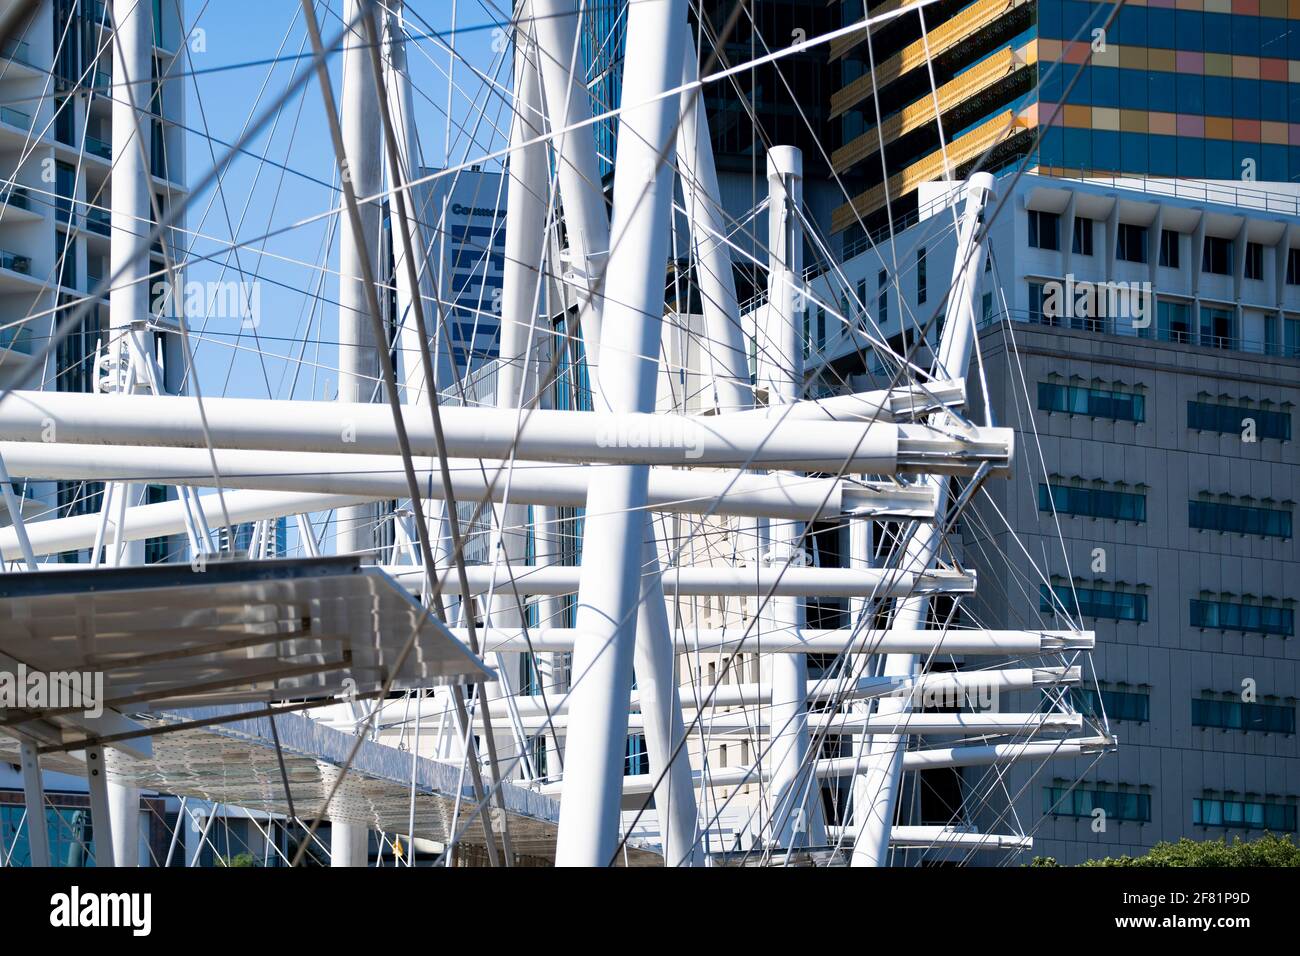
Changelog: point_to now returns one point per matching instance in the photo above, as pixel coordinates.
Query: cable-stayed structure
(534, 529)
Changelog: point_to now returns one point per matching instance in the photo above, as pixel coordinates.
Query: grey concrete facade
(1147, 560)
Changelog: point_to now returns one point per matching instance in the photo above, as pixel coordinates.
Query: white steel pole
(634, 284)
(724, 352)
(526, 200)
(129, 205)
(129, 301)
(780, 362)
(882, 773)
(661, 709)
(358, 351)
(582, 193)
(38, 835)
(860, 558)
(400, 102)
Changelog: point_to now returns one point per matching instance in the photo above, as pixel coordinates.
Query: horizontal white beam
(944, 684)
(921, 837)
(778, 495)
(742, 723)
(812, 641)
(905, 403)
(723, 580)
(168, 517)
(963, 756)
(541, 435)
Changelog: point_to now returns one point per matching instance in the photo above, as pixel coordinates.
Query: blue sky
(294, 182)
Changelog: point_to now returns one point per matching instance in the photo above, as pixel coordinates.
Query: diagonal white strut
(876, 794)
(630, 336)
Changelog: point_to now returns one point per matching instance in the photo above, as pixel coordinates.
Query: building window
(1132, 246)
(1293, 267)
(1239, 519)
(922, 281)
(1169, 248)
(1094, 602)
(1128, 705)
(1096, 402)
(1233, 714)
(882, 296)
(1218, 327)
(1244, 815)
(637, 760)
(1044, 230)
(1247, 618)
(1126, 805)
(1174, 321)
(1082, 236)
(1093, 502)
(1216, 258)
(1254, 260)
(156, 550)
(1234, 419)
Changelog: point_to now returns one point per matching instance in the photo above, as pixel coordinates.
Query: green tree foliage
(1268, 850)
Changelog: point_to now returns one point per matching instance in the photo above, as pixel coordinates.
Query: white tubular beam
(398, 84)
(102, 816)
(661, 715)
(978, 755)
(148, 521)
(526, 198)
(714, 580)
(38, 837)
(904, 403)
(873, 816)
(725, 357)
(349, 844)
(817, 641)
(919, 837)
(359, 117)
(358, 352)
(630, 336)
(780, 375)
(743, 494)
(124, 811)
(611, 437)
(973, 725)
(557, 25)
(129, 205)
(941, 685)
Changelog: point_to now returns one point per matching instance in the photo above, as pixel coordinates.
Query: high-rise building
(463, 218)
(57, 168)
(1143, 339)
(1196, 90)
(55, 217)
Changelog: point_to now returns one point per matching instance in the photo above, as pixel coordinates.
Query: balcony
(15, 263)
(99, 221)
(18, 198)
(16, 118)
(1205, 339)
(100, 148)
(19, 52)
